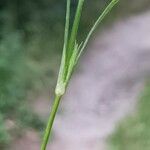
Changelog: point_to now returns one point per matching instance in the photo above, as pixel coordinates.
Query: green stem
(50, 122)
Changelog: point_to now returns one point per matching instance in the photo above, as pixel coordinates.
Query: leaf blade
(75, 28)
(98, 21)
(62, 69)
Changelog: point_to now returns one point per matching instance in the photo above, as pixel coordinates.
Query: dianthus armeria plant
(72, 51)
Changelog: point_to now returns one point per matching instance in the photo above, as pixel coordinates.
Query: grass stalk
(50, 122)
(71, 53)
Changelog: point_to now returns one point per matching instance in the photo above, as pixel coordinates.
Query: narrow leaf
(75, 29)
(99, 20)
(72, 62)
(64, 55)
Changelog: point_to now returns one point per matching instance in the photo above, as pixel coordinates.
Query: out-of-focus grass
(134, 132)
(15, 83)
(4, 137)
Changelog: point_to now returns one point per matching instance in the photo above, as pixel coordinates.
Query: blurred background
(107, 104)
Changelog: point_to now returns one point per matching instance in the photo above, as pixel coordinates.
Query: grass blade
(99, 20)
(64, 55)
(72, 63)
(75, 29)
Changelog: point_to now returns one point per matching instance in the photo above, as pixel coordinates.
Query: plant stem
(50, 121)
(70, 57)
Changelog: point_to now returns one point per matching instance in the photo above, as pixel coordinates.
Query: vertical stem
(50, 122)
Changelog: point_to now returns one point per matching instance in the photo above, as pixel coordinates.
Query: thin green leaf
(78, 50)
(64, 55)
(72, 62)
(99, 20)
(75, 29)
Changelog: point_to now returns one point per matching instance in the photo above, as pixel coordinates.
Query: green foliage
(14, 85)
(4, 136)
(134, 132)
(28, 119)
(10, 68)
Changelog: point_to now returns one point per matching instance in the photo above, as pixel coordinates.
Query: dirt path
(106, 86)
